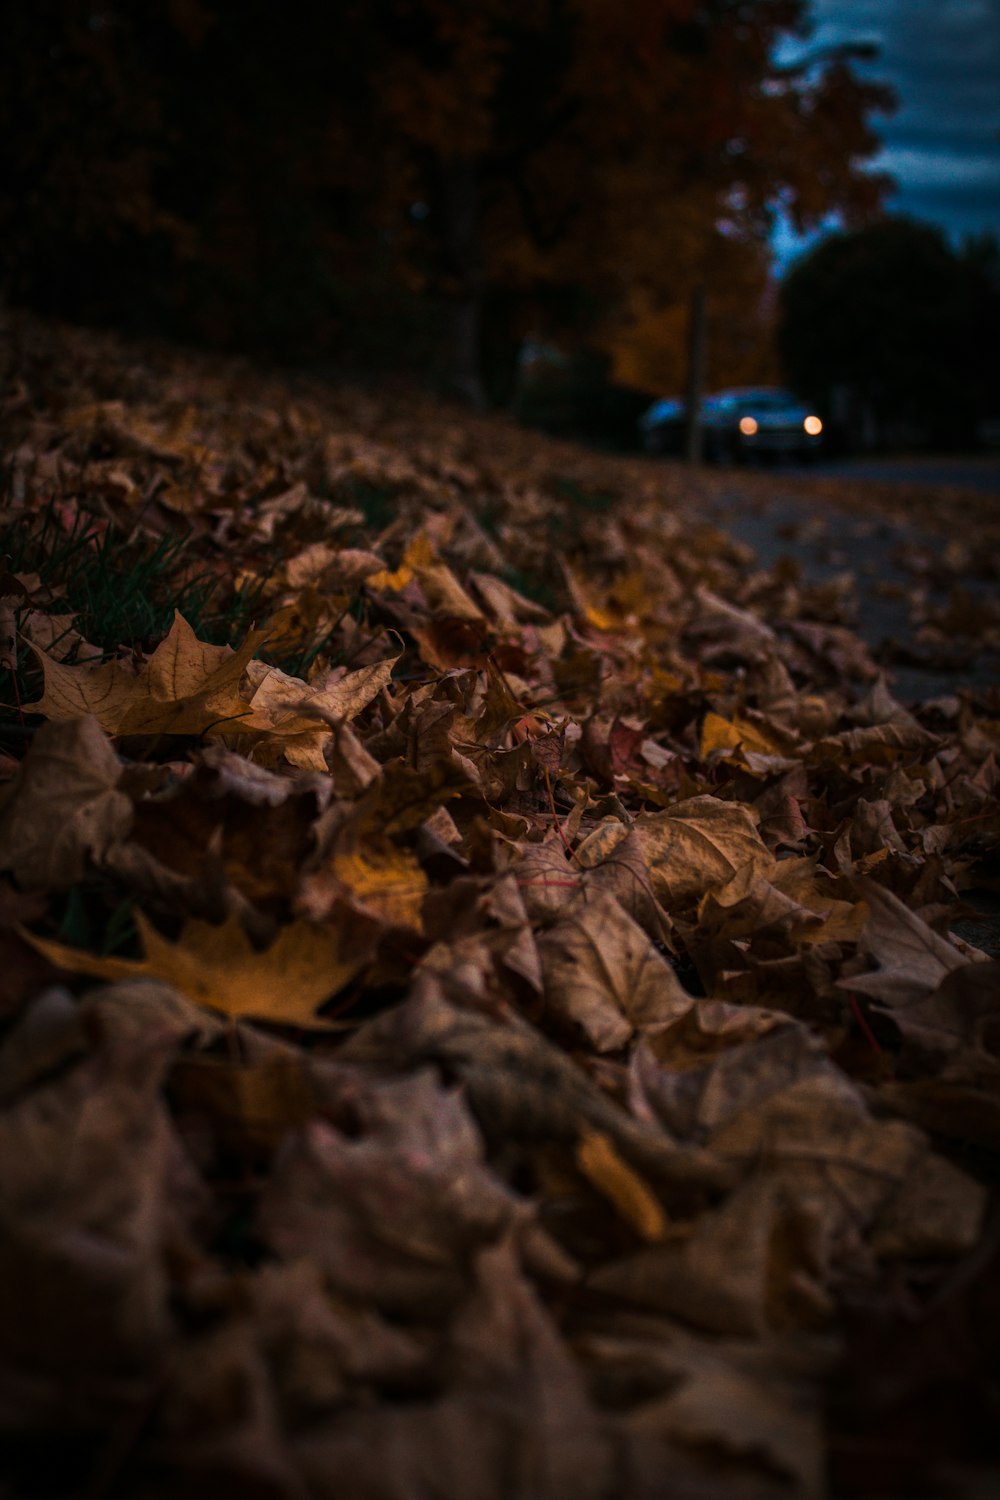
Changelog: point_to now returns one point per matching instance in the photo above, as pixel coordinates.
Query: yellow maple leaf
(383, 877)
(219, 968)
(718, 733)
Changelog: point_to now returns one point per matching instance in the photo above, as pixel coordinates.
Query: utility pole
(696, 374)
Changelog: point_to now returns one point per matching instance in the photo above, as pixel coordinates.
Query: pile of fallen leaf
(521, 1053)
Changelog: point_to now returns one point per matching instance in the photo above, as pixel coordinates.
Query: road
(919, 547)
(980, 473)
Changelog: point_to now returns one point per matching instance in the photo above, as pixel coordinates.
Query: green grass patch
(94, 919)
(122, 592)
(119, 592)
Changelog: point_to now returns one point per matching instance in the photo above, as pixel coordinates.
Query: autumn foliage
(491, 1027)
(421, 181)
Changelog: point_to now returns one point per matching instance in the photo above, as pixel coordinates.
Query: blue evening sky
(943, 144)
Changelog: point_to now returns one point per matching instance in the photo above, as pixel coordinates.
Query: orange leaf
(621, 1185)
(219, 968)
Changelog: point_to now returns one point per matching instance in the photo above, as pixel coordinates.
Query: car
(662, 426)
(736, 424)
(765, 422)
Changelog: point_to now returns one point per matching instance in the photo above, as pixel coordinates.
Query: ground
(496, 973)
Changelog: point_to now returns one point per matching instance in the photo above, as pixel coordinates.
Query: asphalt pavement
(980, 473)
(904, 571)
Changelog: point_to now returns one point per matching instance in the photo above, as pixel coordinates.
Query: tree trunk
(460, 209)
(696, 376)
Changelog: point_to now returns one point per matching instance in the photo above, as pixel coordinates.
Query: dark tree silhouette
(902, 323)
(429, 171)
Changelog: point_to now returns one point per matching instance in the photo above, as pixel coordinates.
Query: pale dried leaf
(602, 971)
(63, 809)
(697, 846)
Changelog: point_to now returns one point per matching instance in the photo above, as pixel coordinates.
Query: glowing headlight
(813, 426)
(748, 426)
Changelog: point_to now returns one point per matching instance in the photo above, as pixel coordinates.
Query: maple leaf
(912, 958)
(507, 606)
(85, 1155)
(219, 968)
(381, 877)
(697, 845)
(737, 734)
(443, 592)
(186, 687)
(286, 705)
(602, 971)
(55, 634)
(63, 807)
(296, 717)
(784, 897)
(392, 1214)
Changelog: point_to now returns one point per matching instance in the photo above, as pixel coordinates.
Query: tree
(199, 164)
(448, 172)
(897, 319)
(614, 157)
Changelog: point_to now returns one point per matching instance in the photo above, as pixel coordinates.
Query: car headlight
(748, 426)
(813, 426)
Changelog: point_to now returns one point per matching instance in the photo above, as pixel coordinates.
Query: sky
(943, 144)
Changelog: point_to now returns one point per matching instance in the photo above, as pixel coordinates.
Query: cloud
(935, 165)
(943, 59)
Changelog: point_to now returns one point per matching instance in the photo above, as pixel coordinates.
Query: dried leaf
(186, 687)
(382, 877)
(391, 1212)
(602, 971)
(912, 959)
(697, 845)
(63, 809)
(85, 1160)
(621, 1185)
(286, 705)
(718, 733)
(218, 967)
